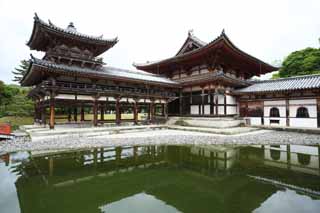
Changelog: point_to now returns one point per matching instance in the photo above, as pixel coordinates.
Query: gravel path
(157, 137)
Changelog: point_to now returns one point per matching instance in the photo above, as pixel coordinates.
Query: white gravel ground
(157, 137)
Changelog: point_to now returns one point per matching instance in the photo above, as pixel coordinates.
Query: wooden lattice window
(274, 112)
(302, 112)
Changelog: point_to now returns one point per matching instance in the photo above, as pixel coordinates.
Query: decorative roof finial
(71, 27)
(222, 33)
(36, 17)
(190, 32)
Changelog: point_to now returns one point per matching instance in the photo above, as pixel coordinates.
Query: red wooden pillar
(202, 101)
(75, 114)
(35, 111)
(152, 111)
(225, 104)
(118, 116)
(52, 112)
(102, 113)
(149, 113)
(82, 114)
(180, 104)
(135, 111)
(69, 114)
(95, 113)
(165, 110)
(287, 113)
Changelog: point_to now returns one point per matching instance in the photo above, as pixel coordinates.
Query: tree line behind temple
(14, 100)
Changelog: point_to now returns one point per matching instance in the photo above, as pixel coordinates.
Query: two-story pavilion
(215, 80)
(208, 73)
(71, 76)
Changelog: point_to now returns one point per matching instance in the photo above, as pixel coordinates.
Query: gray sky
(152, 30)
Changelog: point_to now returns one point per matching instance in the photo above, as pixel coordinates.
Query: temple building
(72, 77)
(202, 80)
(216, 80)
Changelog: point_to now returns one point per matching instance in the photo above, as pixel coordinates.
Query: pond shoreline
(158, 137)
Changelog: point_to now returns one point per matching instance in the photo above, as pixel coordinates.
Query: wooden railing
(105, 88)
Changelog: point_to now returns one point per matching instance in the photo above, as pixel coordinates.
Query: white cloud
(151, 30)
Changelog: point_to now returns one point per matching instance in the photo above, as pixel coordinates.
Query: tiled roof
(221, 39)
(212, 76)
(71, 31)
(284, 84)
(106, 72)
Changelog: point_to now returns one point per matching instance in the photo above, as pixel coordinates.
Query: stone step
(205, 122)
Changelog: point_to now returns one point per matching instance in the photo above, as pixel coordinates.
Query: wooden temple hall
(71, 78)
(202, 80)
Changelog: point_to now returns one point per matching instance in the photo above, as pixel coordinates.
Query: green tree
(14, 101)
(302, 62)
(20, 71)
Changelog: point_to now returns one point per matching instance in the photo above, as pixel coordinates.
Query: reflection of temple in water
(297, 158)
(104, 176)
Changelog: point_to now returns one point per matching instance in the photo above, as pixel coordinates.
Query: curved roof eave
(49, 26)
(223, 37)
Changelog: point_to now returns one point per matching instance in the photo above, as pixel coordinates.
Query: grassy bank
(17, 121)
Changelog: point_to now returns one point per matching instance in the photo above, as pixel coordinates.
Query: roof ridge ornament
(223, 32)
(190, 32)
(36, 17)
(71, 27)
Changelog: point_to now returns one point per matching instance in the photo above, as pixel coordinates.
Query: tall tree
(302, 62)
(20, 71)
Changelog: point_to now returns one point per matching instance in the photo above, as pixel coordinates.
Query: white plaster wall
(220, 99)
(303, 101)
(220, 110)
(202, 71)
(194, 109)
(196, 72)
(309, 150)
(231, 110)
(281, 123)
(175, 76)
(66, 96)
(183, 75)
(273, 103)
(231, 99)
(304, 122)
(254, 120)
(102, 98)
(111, 99)
(85, 97)
(312, 109)
(283, 155)
(314, 161)
(207, 109)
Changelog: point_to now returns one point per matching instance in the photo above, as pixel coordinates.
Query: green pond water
(160, 179)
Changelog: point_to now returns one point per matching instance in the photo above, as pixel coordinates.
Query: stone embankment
(155, 136)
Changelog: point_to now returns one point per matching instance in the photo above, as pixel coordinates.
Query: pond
(160, 179)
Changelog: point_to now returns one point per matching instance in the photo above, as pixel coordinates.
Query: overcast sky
(152, 30)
